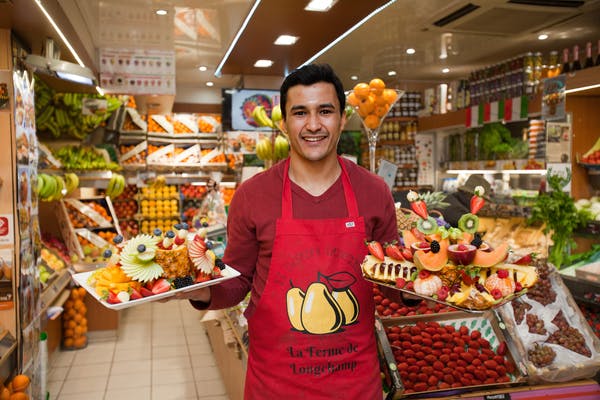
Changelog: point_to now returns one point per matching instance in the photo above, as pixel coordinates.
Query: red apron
(312, 333)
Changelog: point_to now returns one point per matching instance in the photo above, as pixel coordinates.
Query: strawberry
(477, 201)
(201, 277)
(216, 272)
(161, 286)
(526, 259)
(420, 208)
(518, 286)
(393, 251)
(134, 295)
(400, 282)
(424, 274)
(112, 298)
(407, 254)
(442, 293)
(375, 249)
(410, 285)
(145, 292)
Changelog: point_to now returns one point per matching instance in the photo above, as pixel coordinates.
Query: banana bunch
(259, 115)
(50, 187)
(84, 158)
(116, 186)
(265, 150)
(61, 114)
(71, 182)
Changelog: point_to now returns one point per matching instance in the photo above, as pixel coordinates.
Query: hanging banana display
(267, 148)
(55, 187)
(116, 185)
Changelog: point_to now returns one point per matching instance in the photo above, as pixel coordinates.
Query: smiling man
(296, 233)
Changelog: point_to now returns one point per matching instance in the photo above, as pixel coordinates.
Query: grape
(519, 309)
(542, 291)
(572, 339)
(541, 355)
(535, 324)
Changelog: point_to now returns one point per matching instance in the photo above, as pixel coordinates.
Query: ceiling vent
(461, 12)
(550, 3)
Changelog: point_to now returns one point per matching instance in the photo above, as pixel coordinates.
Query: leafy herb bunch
(556, 209)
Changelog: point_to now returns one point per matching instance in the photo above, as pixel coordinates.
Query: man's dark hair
(307, 75)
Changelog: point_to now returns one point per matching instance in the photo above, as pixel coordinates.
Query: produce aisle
(161, 352)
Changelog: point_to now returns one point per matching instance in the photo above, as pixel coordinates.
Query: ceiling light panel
(263, 63)
(320, 5)
(286, 40)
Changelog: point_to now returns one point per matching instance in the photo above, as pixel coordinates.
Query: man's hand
(202, 294)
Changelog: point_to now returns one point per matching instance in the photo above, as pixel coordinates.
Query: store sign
(6, 233)
(553, 98)
(243, 103)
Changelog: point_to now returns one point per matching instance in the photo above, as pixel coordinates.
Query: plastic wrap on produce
(545, 317)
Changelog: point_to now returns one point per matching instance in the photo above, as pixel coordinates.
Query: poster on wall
(425, 160)
(243, 103)
(558, 142)
(553, 98)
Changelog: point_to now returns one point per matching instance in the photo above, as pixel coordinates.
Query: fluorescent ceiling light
(61, 69)
(161, 12)
(581, 89)
(286, 40)
(410, 50)
(209, 83)
(543, 36)
(237, 37)
(263, 63)
(320, 5)
(446, 70)
(354, 77)
(391, 73)
(202, 68)
(348, 32)
(493, 171)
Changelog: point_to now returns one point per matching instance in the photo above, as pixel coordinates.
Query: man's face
(313, 120)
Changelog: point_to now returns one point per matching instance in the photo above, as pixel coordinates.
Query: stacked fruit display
(61, 114)
(448, 264)
(394, 308)
(135, 158)
(16, 388)
(55, 187)
(592, 156)
(433, 356)
(159, 208)
(85, 158)
(74, 320)
(79, 219)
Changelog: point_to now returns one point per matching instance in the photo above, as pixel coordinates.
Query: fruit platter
(147, 268)
(450, 265)
(550, 332)
(446, 354)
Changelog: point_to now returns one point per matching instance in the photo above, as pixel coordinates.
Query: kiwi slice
(428, 226)
(468, 223)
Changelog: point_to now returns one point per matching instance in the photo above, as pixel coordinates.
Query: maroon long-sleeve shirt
(255, 208)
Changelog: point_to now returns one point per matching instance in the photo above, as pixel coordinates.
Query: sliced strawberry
(145, 292)
(134, 295)
(112, 298)
(424, 274)
(477, 203)
(202, 277)
(216, 272)
(407, 254)
(393, 251)
(161, 286)
(375, 249)
(400, 282)
(526, 259)
(420, 208)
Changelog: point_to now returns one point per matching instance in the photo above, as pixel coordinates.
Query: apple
(462, 254)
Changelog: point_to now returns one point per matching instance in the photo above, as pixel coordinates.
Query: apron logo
(350, 224)
(321, 311)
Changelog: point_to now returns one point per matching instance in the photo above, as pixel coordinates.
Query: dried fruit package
(551, 335)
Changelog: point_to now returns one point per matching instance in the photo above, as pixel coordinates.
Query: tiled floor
(161, 353)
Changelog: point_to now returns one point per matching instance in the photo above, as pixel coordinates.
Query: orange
(352, 100)
(377, 86)
(366, 106)
(68, 333)
(68, 342)
(381, 111)
(389, 95)
(82, 292)
(80, 342)
(19, 396)
(4, 394)
(20, 383)
(361, 90)
(371, 121)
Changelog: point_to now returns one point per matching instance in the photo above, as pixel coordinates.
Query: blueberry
(177, 226)
(157, 232)
(107, 253)
(209, 244)
(447, 226)
(118, 239)
(220, 264)
(185, 226)
(204, 224)
(170, 234)
(141, 248)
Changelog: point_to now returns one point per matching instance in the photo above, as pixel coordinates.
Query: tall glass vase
(372, 117)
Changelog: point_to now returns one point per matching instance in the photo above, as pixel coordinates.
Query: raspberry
(496, 294)
(423, 274)
(461, 247)
(502, 273)
(435, 246)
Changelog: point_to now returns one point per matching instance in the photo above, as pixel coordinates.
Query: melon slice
(466, 238)
(432, 261)
(409, 238)
(491, 258)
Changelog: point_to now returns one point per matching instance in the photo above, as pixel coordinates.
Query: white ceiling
(495, 31)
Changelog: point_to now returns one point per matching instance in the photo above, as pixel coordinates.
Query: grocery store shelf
(54, 289)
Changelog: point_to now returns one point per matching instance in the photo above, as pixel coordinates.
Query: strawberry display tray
(82, 280)
(439, 355)
(404, 292)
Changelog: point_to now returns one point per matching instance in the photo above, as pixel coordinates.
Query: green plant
(556, 209)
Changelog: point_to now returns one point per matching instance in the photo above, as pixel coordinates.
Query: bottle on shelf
(589, 61)
(576, 64)
(566, 66)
